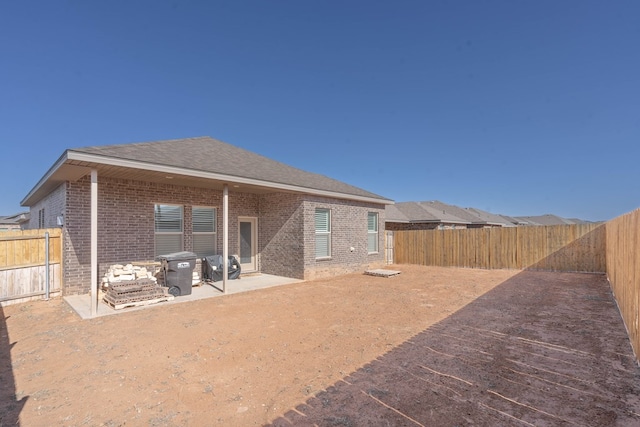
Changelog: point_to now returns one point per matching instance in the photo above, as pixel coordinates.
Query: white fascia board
(61, 160)
(112, 161)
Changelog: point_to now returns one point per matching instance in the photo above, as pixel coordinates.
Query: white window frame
(372, 234)
(206, 235)
(167, 233)
(323, 233)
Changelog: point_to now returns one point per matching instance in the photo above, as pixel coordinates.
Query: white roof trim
(61, 161)
(112, 161)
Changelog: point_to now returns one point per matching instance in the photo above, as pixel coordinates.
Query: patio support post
(225, 237)
(94, 242)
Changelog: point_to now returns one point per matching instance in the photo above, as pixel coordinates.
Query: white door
(247, 243)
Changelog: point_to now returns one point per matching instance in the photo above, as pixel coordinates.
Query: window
(204, 230)
(372, 232)
(168, 229)
(323, 233)
(41, 218)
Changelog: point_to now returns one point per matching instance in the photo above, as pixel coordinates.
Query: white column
(225, 237)
(94, 242)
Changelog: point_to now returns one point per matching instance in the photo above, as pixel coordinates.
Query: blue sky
(516, 107)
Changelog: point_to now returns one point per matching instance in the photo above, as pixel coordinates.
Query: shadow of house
(10, 406)
(540, 349)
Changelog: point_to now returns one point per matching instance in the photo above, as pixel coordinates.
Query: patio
(81, 304)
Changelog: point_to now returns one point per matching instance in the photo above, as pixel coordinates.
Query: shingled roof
(547, 219)
(202, 158)
(420, 212)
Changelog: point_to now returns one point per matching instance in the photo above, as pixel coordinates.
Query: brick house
(132, 202)
(436, 215)
(14, 222)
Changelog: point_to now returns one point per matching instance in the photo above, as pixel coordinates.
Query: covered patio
(81, 304)
(135, 202)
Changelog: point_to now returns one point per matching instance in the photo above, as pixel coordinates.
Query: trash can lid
(177, 256)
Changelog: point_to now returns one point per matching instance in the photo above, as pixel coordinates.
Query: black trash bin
(212, 268)
(178, 272)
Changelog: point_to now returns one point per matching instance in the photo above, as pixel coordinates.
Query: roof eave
(71, 155)
(61, 161)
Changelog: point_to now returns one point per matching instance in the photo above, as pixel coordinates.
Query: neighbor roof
(420, 212)
(491, 218)
(547, 219)
(193, 161)
(18, 218)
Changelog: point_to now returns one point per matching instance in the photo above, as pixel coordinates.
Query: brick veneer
(53, 205)
(348, 230)
(280, 228)
(286, 228)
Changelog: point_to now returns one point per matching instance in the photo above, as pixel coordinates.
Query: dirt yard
(429, 347)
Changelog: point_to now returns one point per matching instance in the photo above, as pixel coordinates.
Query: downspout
(94, 242)
(225, 237)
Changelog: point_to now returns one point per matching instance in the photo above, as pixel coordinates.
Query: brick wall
(126, 223)
(348, 230)
(53, 205)
(286, 228)
(280, 240)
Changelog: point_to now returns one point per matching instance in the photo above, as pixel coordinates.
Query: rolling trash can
(178, 268)
(212, 268)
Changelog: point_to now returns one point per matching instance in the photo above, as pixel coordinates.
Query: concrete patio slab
(81, 304)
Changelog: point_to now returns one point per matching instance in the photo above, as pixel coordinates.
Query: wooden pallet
(118, 306)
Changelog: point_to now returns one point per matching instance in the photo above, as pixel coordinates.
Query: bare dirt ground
(429, 347)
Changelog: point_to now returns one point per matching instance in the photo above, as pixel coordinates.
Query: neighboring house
(514, 221)
(434, 214)
(420, 216)
(438, 215)
(549, 219)
(490, 219)
(14, 222)
(133, 202)
(473, 219)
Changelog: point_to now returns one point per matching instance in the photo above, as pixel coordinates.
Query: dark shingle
(214, 156)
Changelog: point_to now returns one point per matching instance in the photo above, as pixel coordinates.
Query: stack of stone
(132, 285)
(124, 273)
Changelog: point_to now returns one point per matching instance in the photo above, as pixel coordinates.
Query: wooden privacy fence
(23, 260)
(579, 247)
(623, 269)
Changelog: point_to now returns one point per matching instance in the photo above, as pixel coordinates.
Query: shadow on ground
(10, 406)
(541, 349)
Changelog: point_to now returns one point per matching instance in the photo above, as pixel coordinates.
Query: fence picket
(22, 263)
(555, 248)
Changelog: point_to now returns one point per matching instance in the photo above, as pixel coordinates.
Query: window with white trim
(323, 233)
(203, 221)
(168, 228)
(372, 232)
